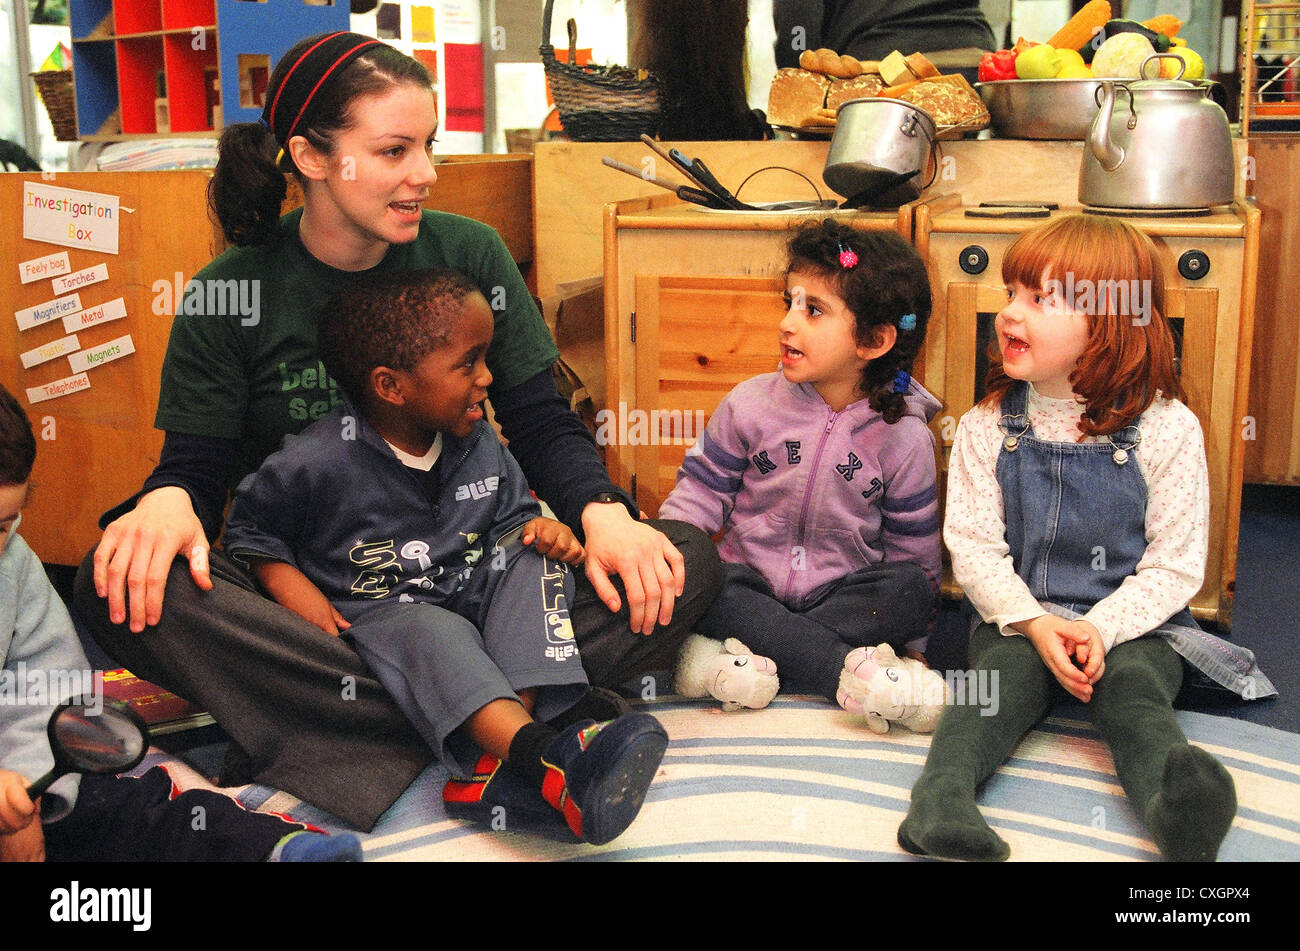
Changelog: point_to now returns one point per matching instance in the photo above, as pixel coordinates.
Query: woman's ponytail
(247, 187)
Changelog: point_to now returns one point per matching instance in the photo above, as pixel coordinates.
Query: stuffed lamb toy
(878, 684)
(727, 671)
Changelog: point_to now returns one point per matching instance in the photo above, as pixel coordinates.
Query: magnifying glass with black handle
(106, 737)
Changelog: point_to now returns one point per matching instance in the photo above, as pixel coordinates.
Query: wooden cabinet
(692, 303)
(691, 307)
(1212, 314)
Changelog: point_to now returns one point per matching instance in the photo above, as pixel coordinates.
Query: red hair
(1130, 353)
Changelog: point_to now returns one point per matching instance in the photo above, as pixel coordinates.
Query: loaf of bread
(860, 87)
(952, 102)
(796, 98)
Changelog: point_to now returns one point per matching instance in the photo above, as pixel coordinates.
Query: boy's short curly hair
(17, 441)
(393, 320)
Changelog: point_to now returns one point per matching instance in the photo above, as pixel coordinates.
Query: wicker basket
(55, 87)
(596, 104)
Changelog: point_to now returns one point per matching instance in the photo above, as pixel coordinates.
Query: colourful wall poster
(430, 60)
(422, 29)
(70, 217)
(464, 93)
(461, 21)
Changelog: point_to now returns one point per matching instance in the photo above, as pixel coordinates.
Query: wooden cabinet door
(696, 338)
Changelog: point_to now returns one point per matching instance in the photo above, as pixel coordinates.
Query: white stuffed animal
(727, 671)
(883, 687)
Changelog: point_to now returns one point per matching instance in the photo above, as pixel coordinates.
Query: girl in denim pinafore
(1044, 533)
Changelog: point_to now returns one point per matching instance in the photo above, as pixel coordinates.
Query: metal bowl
(1041, 108)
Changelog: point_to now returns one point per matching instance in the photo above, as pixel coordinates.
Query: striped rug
(801, 780)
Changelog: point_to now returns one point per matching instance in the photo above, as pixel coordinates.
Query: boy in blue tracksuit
(402, 524)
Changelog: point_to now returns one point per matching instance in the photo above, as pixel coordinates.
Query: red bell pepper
(999, 65)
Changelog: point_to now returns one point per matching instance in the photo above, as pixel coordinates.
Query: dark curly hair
(17, 441)
(389, 320)
(888, 281)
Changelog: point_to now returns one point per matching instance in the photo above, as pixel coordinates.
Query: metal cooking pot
(1161, 144)
(879, 152)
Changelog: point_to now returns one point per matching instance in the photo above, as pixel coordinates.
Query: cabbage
(1121, 56)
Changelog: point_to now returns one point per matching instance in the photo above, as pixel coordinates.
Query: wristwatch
(608, 497)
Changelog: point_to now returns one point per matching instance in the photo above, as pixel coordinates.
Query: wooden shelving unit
(1270, 68)
(145, 68)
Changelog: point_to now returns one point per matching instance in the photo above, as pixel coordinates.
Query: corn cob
(1079, 28)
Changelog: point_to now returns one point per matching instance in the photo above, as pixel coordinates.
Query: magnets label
(104, 353)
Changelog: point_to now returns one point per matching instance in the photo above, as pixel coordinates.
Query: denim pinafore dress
(1076, 526)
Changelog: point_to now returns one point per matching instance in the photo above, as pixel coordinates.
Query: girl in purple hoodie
(822, 474)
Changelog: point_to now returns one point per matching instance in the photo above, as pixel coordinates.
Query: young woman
(354, 120)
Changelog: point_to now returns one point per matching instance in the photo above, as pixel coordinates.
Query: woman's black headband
(291, 103)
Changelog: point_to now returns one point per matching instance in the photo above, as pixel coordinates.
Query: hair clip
(907, 322)
(848, 257)
(901, 381)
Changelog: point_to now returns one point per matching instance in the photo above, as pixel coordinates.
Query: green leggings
(1185, 796)
(1131, 706)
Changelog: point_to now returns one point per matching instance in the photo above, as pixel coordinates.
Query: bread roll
(849, 67)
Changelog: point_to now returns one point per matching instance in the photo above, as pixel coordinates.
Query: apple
(1038, 62)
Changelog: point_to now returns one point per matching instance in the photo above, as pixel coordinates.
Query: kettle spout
(1109, 155)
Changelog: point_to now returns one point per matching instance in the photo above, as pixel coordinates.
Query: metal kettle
(1171, 148)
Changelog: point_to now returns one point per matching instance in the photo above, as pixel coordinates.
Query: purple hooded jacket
(806, 495)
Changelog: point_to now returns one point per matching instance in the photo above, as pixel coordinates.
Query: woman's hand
(652, 569)
(1058, 642)
(136, 553)
(553, 539)
(292, 589)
